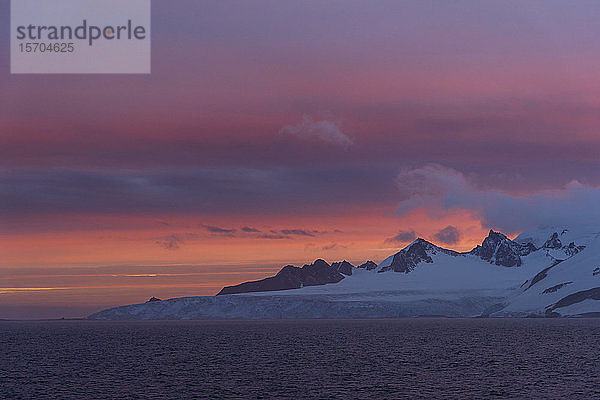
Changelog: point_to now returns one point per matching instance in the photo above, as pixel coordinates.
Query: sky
(273, 133)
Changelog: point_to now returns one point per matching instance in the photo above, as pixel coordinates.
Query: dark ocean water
(365, 359)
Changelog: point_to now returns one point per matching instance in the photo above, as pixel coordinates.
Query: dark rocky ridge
(543, 273)
(574, 298)
(556, 287)
(291, 277)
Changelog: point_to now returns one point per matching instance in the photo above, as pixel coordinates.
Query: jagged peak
(492, 234)
(153, 299)
(343, 267)
(420, 250)
(420, 242)
(368, 265)
(580, 235)
(344, 262)
(498, 249)
(553, 243)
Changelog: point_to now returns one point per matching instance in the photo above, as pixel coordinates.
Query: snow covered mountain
(546, 272)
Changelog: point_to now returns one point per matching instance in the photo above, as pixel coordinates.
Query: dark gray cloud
(486, 136)
(402, 237)
(314, 191)
(218, 229)
(272, 236)
(441, 190)
(219, 191)
(299, 232)
(175, 240)
(448, 235)
(171, 242)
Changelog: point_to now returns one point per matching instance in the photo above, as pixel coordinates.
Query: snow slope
(576, 274)
(551, 272)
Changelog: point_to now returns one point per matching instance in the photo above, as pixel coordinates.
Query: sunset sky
(278, 132)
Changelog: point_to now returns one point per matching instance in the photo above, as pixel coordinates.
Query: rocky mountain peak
(343, 267)
(153, 299)
(369, 265)
(319, 262)
(500, 250)
(572, 249)
(418, 251)
(553, 243)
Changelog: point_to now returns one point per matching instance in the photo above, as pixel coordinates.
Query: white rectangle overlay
(80, 37)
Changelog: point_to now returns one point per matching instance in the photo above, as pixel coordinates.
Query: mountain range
(548, 272)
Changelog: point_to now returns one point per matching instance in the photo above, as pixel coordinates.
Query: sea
(421, 358)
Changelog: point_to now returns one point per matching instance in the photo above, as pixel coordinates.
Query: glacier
(550, 272)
